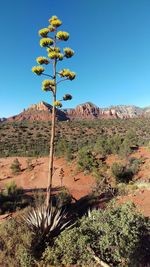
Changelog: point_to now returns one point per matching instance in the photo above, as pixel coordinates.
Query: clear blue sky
(111, 39)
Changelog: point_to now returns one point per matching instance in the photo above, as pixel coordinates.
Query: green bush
(15, 244)
(118, 235)
(113, 144)
(106, 145)
(122, 173)
(16, 166)
(125, 189)
(11, 190)
(125, 149)
(78, 133)
(64, 149)
(38, 198)
(135, 164)
(13, 198)
(63, 198)
(131, 138)
(87, 160)
(102, 146)
(125, 173)
(103, 186)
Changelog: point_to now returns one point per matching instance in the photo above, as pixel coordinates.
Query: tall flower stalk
(54, 55)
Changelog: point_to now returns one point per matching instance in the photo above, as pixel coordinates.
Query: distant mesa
(43, 112)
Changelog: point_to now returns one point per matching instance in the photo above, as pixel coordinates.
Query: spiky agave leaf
(47, 221)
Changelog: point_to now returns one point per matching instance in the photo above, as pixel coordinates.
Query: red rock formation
(84, 111)
(90, 111)
(41, 111)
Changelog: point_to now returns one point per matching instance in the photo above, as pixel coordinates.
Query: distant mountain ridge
(91, 111)
(43, 111)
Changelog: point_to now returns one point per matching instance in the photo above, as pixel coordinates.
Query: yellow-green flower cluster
(68, 52)
(53, 18)
(67, 97)
(55, 55)
(44, 32)
(51, 28)
(57, 104)
(55, 22)
(60, 56)
(47, 85)
(64, 36)
(46, 42)
(42, 60)
(70, 75)
(38, 70)
(52, 48)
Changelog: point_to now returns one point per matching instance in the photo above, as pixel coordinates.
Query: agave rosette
(46, 221)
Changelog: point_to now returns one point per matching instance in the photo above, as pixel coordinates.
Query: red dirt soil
(78, 184)
(141, 199)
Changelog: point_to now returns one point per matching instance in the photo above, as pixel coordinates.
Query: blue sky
(111, 39)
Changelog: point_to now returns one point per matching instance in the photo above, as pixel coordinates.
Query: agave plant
(46, 223)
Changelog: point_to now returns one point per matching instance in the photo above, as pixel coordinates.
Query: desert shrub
(38, 198)
(87, 160)
(115, 143)
(16, 166)
(15, 244)
(64, 148)
(79, 133)
(125, 173)
(102, 146)
(103, 186)
(63, 198)
(29, 164)
(11, 190)
(122, 173)
(122, 189)
(131, 138)
(106, 145)
(135, 164)
(125, 149)
(69, 153)
(129, 141)
(118, 235)
(125, 189)
(100, 171)
(13, 198)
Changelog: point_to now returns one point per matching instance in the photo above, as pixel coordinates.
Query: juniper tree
(50, 39)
